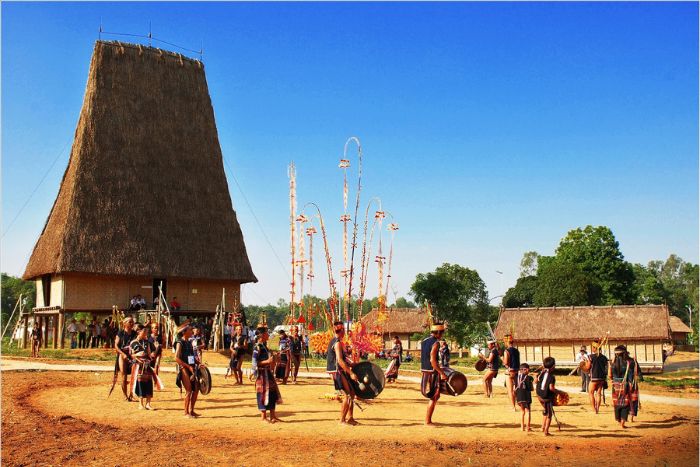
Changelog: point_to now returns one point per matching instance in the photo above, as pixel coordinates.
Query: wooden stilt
(61, 329)
(54, 320)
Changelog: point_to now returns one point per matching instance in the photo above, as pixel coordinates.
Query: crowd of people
(139, 350)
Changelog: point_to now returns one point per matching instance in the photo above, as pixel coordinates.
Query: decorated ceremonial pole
(354, 220)
(392, 227)
(292, 174)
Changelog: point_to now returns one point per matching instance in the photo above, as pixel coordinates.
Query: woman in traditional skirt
(156, 341)
(142, 373)
(282, 368)
(186, 369)
(622, 374)
(396, 354)
(266, 389)
(634, 386)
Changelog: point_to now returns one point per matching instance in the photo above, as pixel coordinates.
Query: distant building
(402, 322)
(679, 330)
(560, 332)
(144, 200)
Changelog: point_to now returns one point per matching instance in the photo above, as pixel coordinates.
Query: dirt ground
(57, 418)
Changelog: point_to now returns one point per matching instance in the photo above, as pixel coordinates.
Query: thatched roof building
(402, 322)
(679, 330)
(144, 196)
(145, 191)
(561, 331)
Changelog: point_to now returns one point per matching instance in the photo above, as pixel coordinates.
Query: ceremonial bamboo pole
(354, 220)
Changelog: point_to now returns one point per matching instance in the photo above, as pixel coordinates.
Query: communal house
(144, 201)
(560, 332)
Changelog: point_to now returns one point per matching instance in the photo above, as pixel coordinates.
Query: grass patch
(675, 383)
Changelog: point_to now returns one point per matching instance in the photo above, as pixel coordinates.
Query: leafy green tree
(560, 283)
(528, 265)
(647, 287)
(457, 295)
(522, 294)
(12, 287)
(402, 302)
(597, 254)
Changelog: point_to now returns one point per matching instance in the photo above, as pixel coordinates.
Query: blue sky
(488, 129)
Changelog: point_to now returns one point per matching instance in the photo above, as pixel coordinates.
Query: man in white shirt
(82, 330)
(585, 375)
(73, 333)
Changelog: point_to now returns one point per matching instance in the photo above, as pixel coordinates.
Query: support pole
(61, 328)
(54, 320)
(25, 326)
(44, 320)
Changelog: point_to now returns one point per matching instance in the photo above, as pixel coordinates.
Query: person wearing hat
(599, 372)
(266, 389)
(339, 367)
(493, 363)
(431, 371)
(511, 362)
(122, 346)
(622, 373)
(186, 367)
(582, 359)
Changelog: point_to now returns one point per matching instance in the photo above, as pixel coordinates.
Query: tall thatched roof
(400, 320)
(677, 325)
(145, 191)
(585, 323)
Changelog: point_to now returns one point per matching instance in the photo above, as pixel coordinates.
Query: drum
(204, 378)
(480, 365)
(371, 380)
(562, 398)
(585, 366)
(455, 384)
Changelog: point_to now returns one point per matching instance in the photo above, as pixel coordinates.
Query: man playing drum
(493, 363)
(431, 371)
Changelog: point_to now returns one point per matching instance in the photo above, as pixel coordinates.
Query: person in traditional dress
(431, 372)
(282, 368)
(546, 392)
(621, 373)
(599, 373)
(239, 346)
(634, 389)
(186, 369)
(296, 347)
(123, 363)
(493, 363)
(266, 389)
(156, 340)
(511, 361)
(142, 372)
(36, 338)
(339, 365)
(523, 394)
(444, 354)
(396, 354)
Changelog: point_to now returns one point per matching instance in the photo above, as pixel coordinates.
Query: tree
(528, 265)
(597, 254)
(647, 287)
(402, 302)
(522, 294)
(12, 287)
(563, 284)
(457, 295)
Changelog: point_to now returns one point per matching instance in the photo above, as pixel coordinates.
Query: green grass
(678, 383)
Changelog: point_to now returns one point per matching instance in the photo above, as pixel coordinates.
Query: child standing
(546, 392)
(523, 388)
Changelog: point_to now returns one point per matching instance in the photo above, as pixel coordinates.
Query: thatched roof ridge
(400, 320)
(585, 322)
(144, 193)
(677, 325)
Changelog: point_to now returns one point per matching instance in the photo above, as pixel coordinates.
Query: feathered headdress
(262, 324)
(433, 321)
